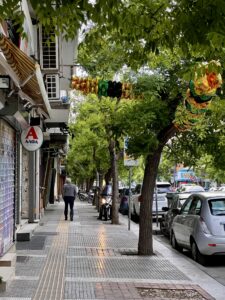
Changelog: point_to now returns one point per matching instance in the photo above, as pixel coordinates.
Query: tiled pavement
(93, 259)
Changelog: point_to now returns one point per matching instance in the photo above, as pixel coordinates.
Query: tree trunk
(145, 243)
(145, 246)
(99, 190)
(115, 214)
(108, 175)
(113, 158)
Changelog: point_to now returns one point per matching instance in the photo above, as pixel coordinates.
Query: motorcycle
(106, 208)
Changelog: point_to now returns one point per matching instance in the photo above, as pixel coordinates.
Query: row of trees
(166, 36)
(153, 41)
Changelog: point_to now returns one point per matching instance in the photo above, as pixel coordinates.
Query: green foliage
(66, 17)
(204, 146)
(100, 58)
(89, 147)
(148, 116)
(166, 167)
(200, 22)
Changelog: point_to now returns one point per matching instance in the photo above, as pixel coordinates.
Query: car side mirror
(176, 211)
(165, 208)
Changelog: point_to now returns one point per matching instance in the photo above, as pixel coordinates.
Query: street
(215, 267)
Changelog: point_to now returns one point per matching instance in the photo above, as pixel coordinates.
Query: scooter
(106, 208)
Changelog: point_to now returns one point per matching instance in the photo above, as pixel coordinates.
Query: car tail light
(204, 226)
(212, 245)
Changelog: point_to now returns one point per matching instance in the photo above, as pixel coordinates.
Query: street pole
(156, 205)
(32, 186)
(129, 201)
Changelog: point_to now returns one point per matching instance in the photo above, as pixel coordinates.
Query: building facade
(34, 86)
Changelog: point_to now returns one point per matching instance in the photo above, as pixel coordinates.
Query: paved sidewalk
(93, 259)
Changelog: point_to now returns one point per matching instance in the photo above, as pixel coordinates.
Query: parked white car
(160, 200)
(190, 188)
(200, 226)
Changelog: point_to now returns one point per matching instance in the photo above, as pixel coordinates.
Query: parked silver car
(200, 226)
(176, 200)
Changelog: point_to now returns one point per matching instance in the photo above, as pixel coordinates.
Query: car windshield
(217, 207)
(163, 188)
(190, 188)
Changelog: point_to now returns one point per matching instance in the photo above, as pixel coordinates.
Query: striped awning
(26, 70)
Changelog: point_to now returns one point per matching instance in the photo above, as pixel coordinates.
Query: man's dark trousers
(69, 201)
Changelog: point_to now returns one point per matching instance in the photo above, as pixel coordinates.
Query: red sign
(32, 138)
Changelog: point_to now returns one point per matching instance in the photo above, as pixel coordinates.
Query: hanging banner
(128, 160)
(32, 138)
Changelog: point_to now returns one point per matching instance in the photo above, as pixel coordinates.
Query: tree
(64, 17)
(149, 125)
(150, 121)
(88, 147)
(96, 144)
(203, 146)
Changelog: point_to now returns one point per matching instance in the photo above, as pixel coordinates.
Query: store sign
(32, 138)
(185, 175)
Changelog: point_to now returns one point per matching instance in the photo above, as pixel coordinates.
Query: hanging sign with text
(32, 138)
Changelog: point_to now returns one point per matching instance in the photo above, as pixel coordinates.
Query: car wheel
(174, 242)
(196, 255)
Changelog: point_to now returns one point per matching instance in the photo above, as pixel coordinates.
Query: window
(52, 86)
(186, 206)
(49, 50)
(217, 207)
(195, 207)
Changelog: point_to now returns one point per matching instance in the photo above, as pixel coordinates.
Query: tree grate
(167, 293)
(36, 243)
(22, 259)
(45, 233)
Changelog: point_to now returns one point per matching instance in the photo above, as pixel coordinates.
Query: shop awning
(28, 72)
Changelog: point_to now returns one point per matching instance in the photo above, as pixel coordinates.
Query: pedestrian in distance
(69, 195)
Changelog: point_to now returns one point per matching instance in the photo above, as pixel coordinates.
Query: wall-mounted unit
(52, 86)
(48, 50)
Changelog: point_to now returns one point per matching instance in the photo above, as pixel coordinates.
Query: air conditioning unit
(48, 50)
(52, 86)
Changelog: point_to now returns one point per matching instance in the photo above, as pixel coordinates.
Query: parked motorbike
(106, 208)
(82, 196)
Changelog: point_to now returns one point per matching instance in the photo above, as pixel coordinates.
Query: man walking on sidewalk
(69, 195)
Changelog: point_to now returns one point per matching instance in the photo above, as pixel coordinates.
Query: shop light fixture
(4, 82)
